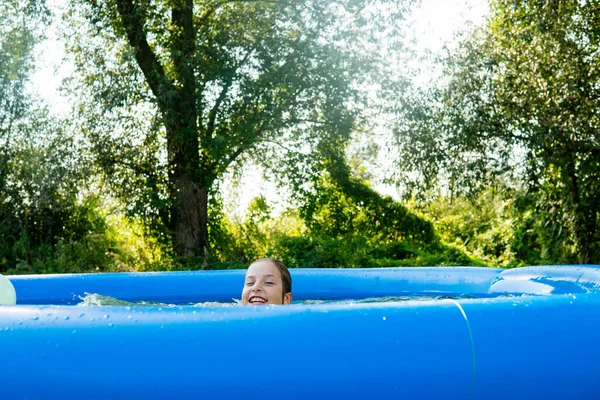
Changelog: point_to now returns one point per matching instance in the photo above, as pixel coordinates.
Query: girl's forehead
(262, 268)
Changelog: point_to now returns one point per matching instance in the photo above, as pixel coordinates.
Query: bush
(287, 238)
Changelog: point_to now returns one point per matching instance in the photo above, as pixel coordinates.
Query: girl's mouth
(255, 300)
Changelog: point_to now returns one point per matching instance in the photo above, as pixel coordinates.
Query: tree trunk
(189, 186)
(189, 219)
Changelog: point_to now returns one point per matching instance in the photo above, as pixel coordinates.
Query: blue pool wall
(538, 343)
(223, 286)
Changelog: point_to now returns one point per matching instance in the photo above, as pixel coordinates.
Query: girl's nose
(256, 287)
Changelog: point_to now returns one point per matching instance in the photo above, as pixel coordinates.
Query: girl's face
(263, 285)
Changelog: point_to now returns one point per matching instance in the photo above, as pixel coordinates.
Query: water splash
(95, 299)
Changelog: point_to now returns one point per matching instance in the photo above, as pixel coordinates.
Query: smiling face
(263, 285)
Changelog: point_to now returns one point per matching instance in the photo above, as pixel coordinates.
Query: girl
(267, 281)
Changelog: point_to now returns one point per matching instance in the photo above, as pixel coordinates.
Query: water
(95, 299)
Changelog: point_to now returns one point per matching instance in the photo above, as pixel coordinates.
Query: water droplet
(129, 317)
(81, 315)
(74, 331)
(384, 318)
(35, 318)
(106, 316)
(110, 325)
(67, 318)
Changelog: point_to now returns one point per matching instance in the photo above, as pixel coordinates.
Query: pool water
(95, 299)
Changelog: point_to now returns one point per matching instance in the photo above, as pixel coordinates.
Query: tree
(18, 35)
(38, 190)
(217, 80)
(17, 38)
(523, 97)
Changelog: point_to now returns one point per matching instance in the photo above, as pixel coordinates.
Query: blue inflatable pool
(527, 333)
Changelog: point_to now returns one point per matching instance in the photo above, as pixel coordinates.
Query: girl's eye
(249, 283)
(269, 283)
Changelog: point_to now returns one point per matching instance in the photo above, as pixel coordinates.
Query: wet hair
(286, 278)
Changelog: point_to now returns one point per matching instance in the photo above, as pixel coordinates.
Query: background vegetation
(497, 162)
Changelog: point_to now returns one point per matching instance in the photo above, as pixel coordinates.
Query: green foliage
(20, 24)
(521, 103)
(215, 82)
(335, 211)
(99, 243)
(50, 220)
(168, 105)
(254, 237)
(289, 239)
(500, 227)
(354, 251)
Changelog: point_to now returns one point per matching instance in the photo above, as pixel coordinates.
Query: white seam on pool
(464, 314)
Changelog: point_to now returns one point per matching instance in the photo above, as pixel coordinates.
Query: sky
(434, 23)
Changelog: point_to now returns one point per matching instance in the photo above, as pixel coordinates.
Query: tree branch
(212, 115)
(243, 146)
(182, 17)
(148, 62)
(289, 150)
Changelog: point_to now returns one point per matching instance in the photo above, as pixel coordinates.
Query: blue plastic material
(541, 345)
(329, 352)
(195, 286)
